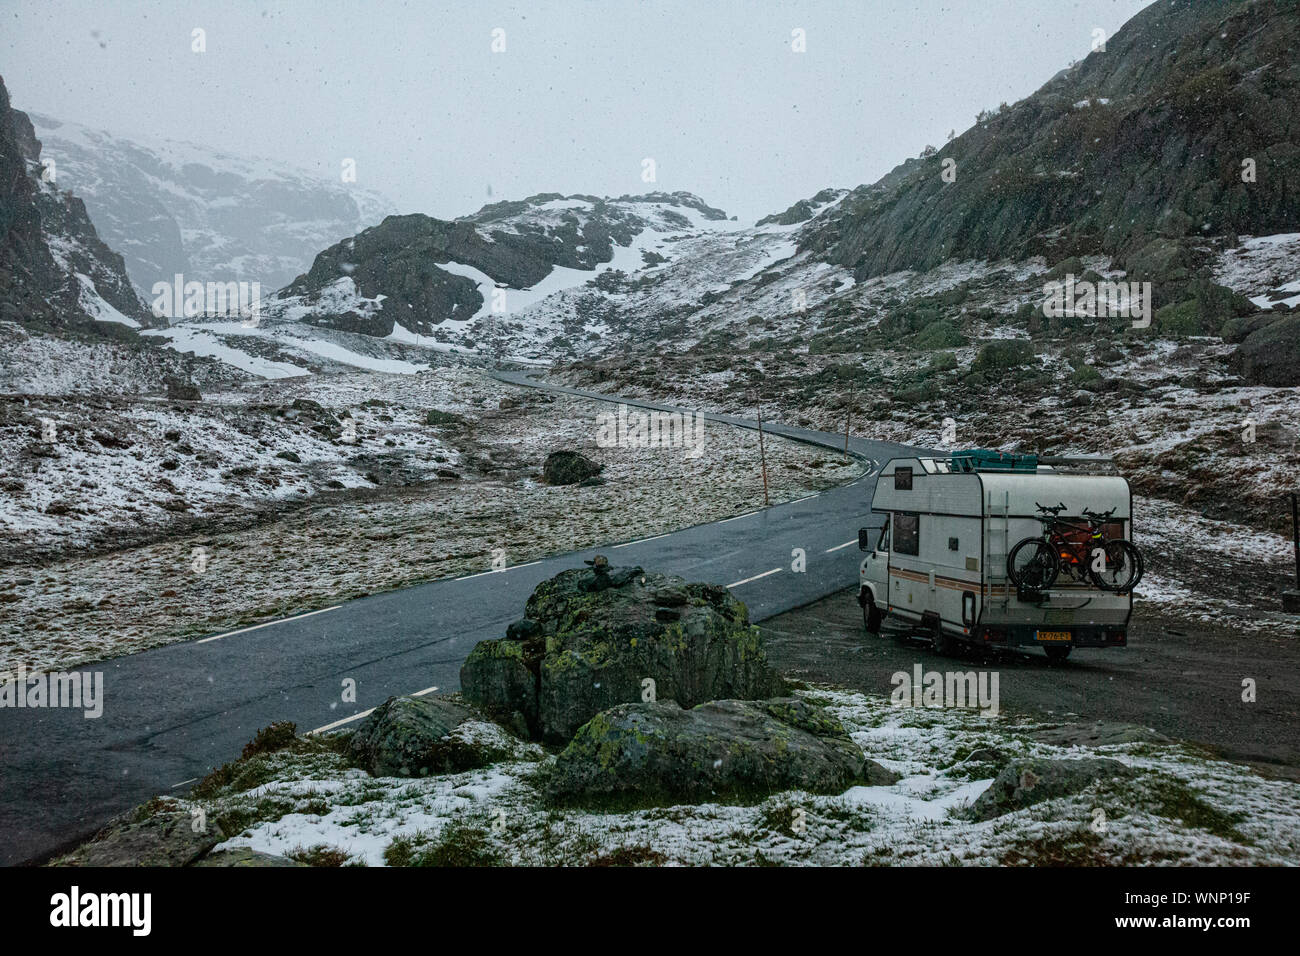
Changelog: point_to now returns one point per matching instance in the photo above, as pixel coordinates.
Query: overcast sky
(583, 92)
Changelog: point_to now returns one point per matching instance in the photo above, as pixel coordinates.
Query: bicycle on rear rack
(1081, 551)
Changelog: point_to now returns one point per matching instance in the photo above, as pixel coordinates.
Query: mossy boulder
(569, 468)
(1085, 376)
(1002, 354)
(1271, 355)
(733, 750)
(419, 736)
(939, 335)
(596, 637)
(1205, 311)
(1026, 781)
(436, 417)
(1235, 330)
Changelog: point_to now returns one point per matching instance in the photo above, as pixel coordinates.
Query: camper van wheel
(871, 616)
(1056, 655)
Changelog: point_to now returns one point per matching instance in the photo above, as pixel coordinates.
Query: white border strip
(258, 627)
(754, 578)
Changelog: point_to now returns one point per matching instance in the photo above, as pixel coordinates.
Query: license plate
(1052, 635)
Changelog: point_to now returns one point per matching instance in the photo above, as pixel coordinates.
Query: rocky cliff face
(173, 207)
(1145, 139)
(55, 272)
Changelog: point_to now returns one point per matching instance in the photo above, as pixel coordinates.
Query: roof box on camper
(983, 459)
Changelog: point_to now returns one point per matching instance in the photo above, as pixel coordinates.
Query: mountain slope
(1145, 139)
(177, 208)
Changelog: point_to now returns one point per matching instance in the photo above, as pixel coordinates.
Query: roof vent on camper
(983, 459)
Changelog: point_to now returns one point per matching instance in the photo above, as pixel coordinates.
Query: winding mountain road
(173, 713)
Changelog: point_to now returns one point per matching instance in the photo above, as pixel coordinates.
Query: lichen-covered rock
(418, 736)
(601, 636)
(1029, 780)
(149, 835)
(658, 753)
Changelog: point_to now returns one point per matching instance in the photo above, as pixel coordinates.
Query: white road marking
(628, 544)
(734, 517)
(480, 574)
(754, 578)
(183, 783)
(256, 627)
(364, 713)
(498, 570)
(839, 546)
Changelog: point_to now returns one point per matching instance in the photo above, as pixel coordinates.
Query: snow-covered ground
(102, 527)
(1183, 808)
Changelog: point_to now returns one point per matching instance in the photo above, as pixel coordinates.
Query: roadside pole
(762, 455)
(848, 417)
(1291, 598)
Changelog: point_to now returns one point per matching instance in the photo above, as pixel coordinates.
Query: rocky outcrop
(55, 273)
(804, 209)
(148, 836)
(1026, 781)
(419, 272)
(597, 637)
(722, 750)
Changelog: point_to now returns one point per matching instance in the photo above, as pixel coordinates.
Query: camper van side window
(907, 533)
(902, 479)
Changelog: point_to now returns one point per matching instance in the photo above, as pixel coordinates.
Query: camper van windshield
(883, 543)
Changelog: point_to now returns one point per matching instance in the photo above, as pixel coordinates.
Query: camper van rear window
(902, 479)
(907, 533)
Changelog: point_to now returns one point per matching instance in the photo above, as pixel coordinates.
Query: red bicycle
(1081, 551)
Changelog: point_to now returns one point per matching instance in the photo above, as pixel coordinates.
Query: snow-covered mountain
(172, 207)
(548, 277)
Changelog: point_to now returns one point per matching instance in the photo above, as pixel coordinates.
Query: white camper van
(939, 563)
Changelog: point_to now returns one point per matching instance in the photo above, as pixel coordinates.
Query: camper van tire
(944, 645)
(871, 616)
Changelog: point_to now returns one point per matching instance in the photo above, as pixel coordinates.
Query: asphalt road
(1180, 680)
(172, 714)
